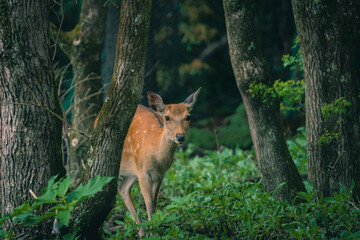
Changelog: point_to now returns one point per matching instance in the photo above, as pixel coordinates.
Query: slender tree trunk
(326, 31)
(112, 27)
(116, 114)
(274, 160)
(83, 45)
(31, 133)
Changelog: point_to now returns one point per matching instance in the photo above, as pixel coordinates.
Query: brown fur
(149, 148)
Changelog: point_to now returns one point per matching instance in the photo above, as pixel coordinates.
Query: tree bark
(30, 111)
(116, 114)
(274, 160)
(83, 45)
(326, 30)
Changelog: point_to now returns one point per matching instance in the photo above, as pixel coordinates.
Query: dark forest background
(187, 49)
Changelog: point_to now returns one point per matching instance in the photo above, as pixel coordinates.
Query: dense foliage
(218, 196)
(59, 202)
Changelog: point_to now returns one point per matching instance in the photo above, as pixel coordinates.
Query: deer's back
(142, 140)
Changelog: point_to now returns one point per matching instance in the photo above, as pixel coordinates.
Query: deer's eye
(188, 118)
(167, 118)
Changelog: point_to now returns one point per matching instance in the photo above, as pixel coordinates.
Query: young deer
(149, 148)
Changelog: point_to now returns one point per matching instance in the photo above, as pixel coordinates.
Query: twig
(33, 194)
(88, 78)
(78, 145)
(213, 48)
(62, 77)
(101, 91)
(53, 113)
(61, 23)
(293, 139)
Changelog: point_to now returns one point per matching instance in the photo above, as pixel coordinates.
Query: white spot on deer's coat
(145, 131)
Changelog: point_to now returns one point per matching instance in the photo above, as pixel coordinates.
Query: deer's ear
(155, 102)
(190, 100)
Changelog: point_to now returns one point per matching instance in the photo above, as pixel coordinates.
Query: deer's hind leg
(125, 190)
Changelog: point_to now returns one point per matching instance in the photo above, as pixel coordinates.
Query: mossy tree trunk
(326, 30)
(31, 133)
(83, 45)
(117, 112)
(274, 160)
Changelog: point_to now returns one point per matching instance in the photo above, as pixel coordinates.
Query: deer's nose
(180, 137)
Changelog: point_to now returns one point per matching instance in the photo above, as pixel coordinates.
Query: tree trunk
(326, 30)
(116, 114)
(31, 131)
(274, 160)
(112, 27)
(83, 45)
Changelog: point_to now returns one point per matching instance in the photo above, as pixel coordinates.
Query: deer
(149, 148)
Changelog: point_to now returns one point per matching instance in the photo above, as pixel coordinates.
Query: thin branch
(78, 145)
(152, 69)
(61, 23)
(213, 48)
(88, 78)
(62, 77)
(101, 91)
(53, 113)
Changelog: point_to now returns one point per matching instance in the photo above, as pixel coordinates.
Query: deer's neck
(166, 151)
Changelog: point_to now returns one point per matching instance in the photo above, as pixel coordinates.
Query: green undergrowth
(211, 197)
(234, 131)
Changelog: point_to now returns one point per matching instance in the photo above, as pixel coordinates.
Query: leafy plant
(210, 197)
(58, 201)
(266, 94)
(294, 61)
(334, 114)
(292, 94)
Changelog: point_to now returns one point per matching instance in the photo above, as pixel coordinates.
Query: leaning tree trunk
(83, 45)
(274, 160)
(116, 114)
(326, 30)
(30, 111)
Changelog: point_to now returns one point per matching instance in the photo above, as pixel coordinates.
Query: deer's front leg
(148, 182)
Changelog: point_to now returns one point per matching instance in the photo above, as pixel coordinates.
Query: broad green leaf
(59, 206)
(48, 195)
(70, 236)
(46, 216)
(64, 216)
(28, 219)
(90, 189)
(21, 209)
(63, 186)
(4, 219)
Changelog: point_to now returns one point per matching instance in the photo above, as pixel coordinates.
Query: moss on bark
(274, 160)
